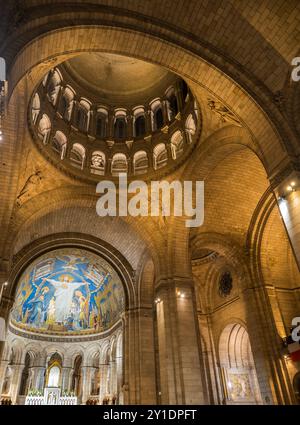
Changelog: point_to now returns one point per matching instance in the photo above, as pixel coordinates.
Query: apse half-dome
(68, 291)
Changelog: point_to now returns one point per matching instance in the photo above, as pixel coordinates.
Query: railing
(40, 400)
(33, 400)
(67, 401)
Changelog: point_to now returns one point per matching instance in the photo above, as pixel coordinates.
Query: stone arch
(215, 149)
(117, 261)
(55, 207)
(101, 39)
(296, 385)
(236, 361)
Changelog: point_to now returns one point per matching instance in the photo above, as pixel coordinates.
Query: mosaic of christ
(68, 290)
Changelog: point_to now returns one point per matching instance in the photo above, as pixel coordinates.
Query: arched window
(76, 378)
(140, 162)
(44, 128)
(25, 376)
(7, 381)
(98, 163)
(160, 156)
(196, 109)
(120, 128)
(184, 91)
(101, 123)
(140, 126)
(54, 86)
(54, 376)
(53, 373)
(77, 156)
(158, 118)
(83, 115)
(157, 115)
(237, 362)
(176, 144)
(67, 103)
(172, 104)
(36, 107)
(119, 164)
(45, 79)
(59, 144)
(190, 128)
(95, 381)
(64, 105)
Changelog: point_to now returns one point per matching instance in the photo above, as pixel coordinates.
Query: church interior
(129, 310)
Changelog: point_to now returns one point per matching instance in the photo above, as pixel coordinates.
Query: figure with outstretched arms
(64, 292)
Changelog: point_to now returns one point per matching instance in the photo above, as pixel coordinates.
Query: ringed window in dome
(140, 162)
(54, 86)
(36, 107)
(139, 125)
(119, 164)
(101, 123)
(157, 115)
(160, 156)
(59, 144)
(67, 103)
(77, 156)
(190, 128)
(184, 91)
(172, 104)
(44, 129)
(177, 144)
(83, 115)
(120, 125)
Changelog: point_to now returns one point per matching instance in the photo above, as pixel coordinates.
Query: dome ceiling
(68, 291)
(117, 78)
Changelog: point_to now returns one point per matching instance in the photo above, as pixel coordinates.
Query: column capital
(5, 306)
(285, 173)
(175, 282)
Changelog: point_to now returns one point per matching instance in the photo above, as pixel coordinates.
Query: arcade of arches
(144, 310)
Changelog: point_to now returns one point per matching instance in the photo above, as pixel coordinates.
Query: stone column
(86, 383)
(66, 378)
(129, 135)
(288, 197)
(164, 106)
(38, 377)
(113, 377)
(2, 345)
(131, 366)
(146, 355)
(118, 375)
(148, 122)
(212, 377)
(179, 97)
(181, 378)
(16, 381)
(5, 307)
(266, 346)
(73, 117)
(103, 382)
(110, 126)
(3, 367)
